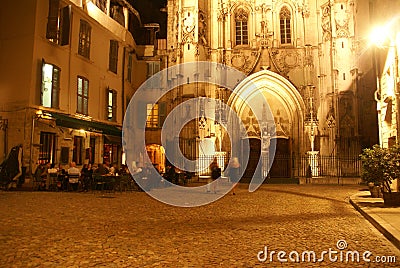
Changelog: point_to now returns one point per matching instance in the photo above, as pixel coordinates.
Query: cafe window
(285, 25)
(47, 147)
(78, 150)
(58, 23)
(84, 39)
(110, 153)
(50, 85)
(113, 56)
(82, 96)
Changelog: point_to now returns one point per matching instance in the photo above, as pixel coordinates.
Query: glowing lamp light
(379, 36)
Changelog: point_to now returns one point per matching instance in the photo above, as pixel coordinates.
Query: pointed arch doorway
(286, 108)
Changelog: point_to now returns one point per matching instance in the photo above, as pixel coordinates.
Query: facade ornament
(326, 22)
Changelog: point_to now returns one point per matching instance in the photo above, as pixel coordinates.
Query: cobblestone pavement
(41, 229)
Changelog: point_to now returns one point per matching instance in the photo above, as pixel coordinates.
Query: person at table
(101, 170)
(62, 177)
(52, 172)
(114, 169)
(74, 174)
(170, 174)
(40, 177)
(87, 173)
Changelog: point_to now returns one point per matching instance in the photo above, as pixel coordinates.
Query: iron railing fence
(285, 166)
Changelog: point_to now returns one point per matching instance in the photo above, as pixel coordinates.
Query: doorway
(254, 156)
(281, 167)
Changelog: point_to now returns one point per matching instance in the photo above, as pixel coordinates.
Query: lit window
(50, 85)
(84, 39)
(83, 96)
(285, 20)
(152, 115)
(48, 147)
(113, 56)
(242, 35)
(156, 115)
(111, 105)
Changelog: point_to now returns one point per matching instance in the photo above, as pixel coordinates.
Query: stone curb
(381, 225)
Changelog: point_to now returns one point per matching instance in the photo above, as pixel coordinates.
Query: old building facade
(68, 70)
(309, 59)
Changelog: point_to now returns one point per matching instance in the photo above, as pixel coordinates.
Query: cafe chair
(73, 182)
(53, 177)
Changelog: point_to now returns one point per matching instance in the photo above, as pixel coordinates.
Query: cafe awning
(63, 120)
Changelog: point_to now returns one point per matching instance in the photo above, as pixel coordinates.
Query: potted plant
(372, 169)
(381, 166)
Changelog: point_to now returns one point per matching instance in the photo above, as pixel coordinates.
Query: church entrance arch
(282, 122)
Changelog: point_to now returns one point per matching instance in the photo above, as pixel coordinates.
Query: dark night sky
(150, 12)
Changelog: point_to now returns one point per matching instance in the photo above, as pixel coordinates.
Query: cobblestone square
(48, 229)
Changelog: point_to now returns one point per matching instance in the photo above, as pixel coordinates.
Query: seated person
(52, 173)
(74, 174)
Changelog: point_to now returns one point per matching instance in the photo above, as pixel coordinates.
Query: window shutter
(141, 115)
(107, 101)
(113, 56)
(41, 81)
(114, 105)
(162, 113)
(55, 87)
(52, 19)
(65, 25)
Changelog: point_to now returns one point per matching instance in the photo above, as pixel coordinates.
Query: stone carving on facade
(346, 116)
(202, 27)
(244, 60)
(342, 28)
(326, 22)
(251, 124)
(188, 26)
(281, 125)
(286, 59)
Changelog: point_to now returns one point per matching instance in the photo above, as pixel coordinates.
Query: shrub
(381, 165)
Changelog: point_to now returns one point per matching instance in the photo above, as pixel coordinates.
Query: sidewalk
(385, 219)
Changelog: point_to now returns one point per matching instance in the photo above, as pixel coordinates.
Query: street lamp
(387, 78)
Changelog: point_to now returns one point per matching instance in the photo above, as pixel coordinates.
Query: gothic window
(241, 27)
(285, 26)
